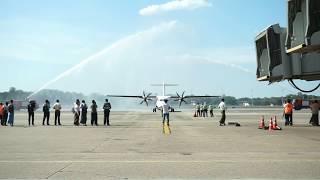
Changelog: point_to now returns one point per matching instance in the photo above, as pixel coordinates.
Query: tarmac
(135, 147)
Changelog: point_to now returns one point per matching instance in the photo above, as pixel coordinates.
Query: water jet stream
(130, 39)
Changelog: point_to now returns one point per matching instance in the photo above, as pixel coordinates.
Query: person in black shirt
(106, 110)
(94, 114)
(46, 112)
(31, 108)
(84, 109)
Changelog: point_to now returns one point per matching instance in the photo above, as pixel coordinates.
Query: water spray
(130, 39)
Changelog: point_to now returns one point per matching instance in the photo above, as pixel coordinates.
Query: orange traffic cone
(261, 124)
(270, 124)
(274, 125)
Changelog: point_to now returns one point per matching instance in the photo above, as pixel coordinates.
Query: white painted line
(156, 161)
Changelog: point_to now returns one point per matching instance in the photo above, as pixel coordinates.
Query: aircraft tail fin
(164, 86)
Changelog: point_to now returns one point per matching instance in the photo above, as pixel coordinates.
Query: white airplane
(160, 99)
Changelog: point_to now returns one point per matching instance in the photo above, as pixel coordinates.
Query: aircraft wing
(181, 98)
(145, 97)
(176, 97)
(128, 96)
(201, 96)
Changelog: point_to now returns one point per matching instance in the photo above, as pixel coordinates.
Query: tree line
(50, 94)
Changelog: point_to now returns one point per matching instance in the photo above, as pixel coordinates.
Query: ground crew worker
(288, 108)
(11, 113)
(57, 112)
(1, 113)
(198, 110)
(165, 111)
(211, 110)
(31, 107)
(222, 107)
(315, 113)
(46, 112)
(205, 110)
(76, 111)
(195, 111)
(84, 109)
(94, 114)
(106, 110)
(5, 114)
(201, 110)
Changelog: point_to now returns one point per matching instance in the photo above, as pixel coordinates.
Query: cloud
(174, 5)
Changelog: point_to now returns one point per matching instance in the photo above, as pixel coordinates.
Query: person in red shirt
(1, 113)
(288, 109)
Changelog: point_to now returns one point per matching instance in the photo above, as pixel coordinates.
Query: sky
(121, 47)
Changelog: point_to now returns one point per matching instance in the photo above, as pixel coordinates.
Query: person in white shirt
(57, 108)
(165, 110)
(76, 111)
(315, 106)
(222, 108)
(198, 110)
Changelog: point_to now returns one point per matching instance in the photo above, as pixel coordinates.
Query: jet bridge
(292, 52)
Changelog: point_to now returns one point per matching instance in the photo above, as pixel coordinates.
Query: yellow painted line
(166, 129)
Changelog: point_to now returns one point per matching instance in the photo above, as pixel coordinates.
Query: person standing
(1, 113)
(195, 111)
(5, 114)
(94, 114)
(165, 112)
(288, 108)
(57, 112)
(315, 113)
(84, 109)
(222, 107)
(46, 112)
(211, 110)
(106, 110)
(76, 111)
(11, 113)
(198, 110)
(201, 110)
(31, 107)
(205, 110)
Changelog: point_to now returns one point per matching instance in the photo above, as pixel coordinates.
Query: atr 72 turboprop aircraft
(160, 99)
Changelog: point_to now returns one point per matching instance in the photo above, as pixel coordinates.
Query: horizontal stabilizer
(164, 84)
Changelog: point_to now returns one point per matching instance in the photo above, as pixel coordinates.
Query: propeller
(181, 99)
(145, 98)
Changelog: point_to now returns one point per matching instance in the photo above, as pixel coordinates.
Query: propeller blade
(182, 94)
(147, 103)
(149, 94)
(178, 94)
(141, 101)
(180, 104)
